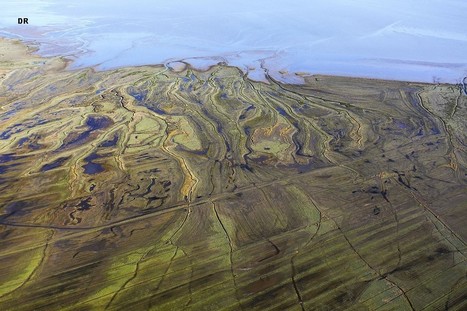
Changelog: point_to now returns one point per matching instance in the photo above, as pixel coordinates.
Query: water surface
(406, 40)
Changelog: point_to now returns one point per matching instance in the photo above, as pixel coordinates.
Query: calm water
(406, 40)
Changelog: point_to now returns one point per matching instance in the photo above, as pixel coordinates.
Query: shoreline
(34, 47)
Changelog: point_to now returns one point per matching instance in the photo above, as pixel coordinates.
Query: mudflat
(150, 188)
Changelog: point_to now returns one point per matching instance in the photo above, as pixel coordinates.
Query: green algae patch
(25, 267)
(27, 260)
(185, 135)
(119, 273)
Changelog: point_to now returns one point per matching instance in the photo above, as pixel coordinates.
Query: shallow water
(405, 40)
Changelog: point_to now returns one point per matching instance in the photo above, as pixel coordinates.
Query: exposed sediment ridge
(176, 189)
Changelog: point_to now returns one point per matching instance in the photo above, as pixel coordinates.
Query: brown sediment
(163, 188)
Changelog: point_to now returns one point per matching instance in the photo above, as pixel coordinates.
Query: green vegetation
(154, 189)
